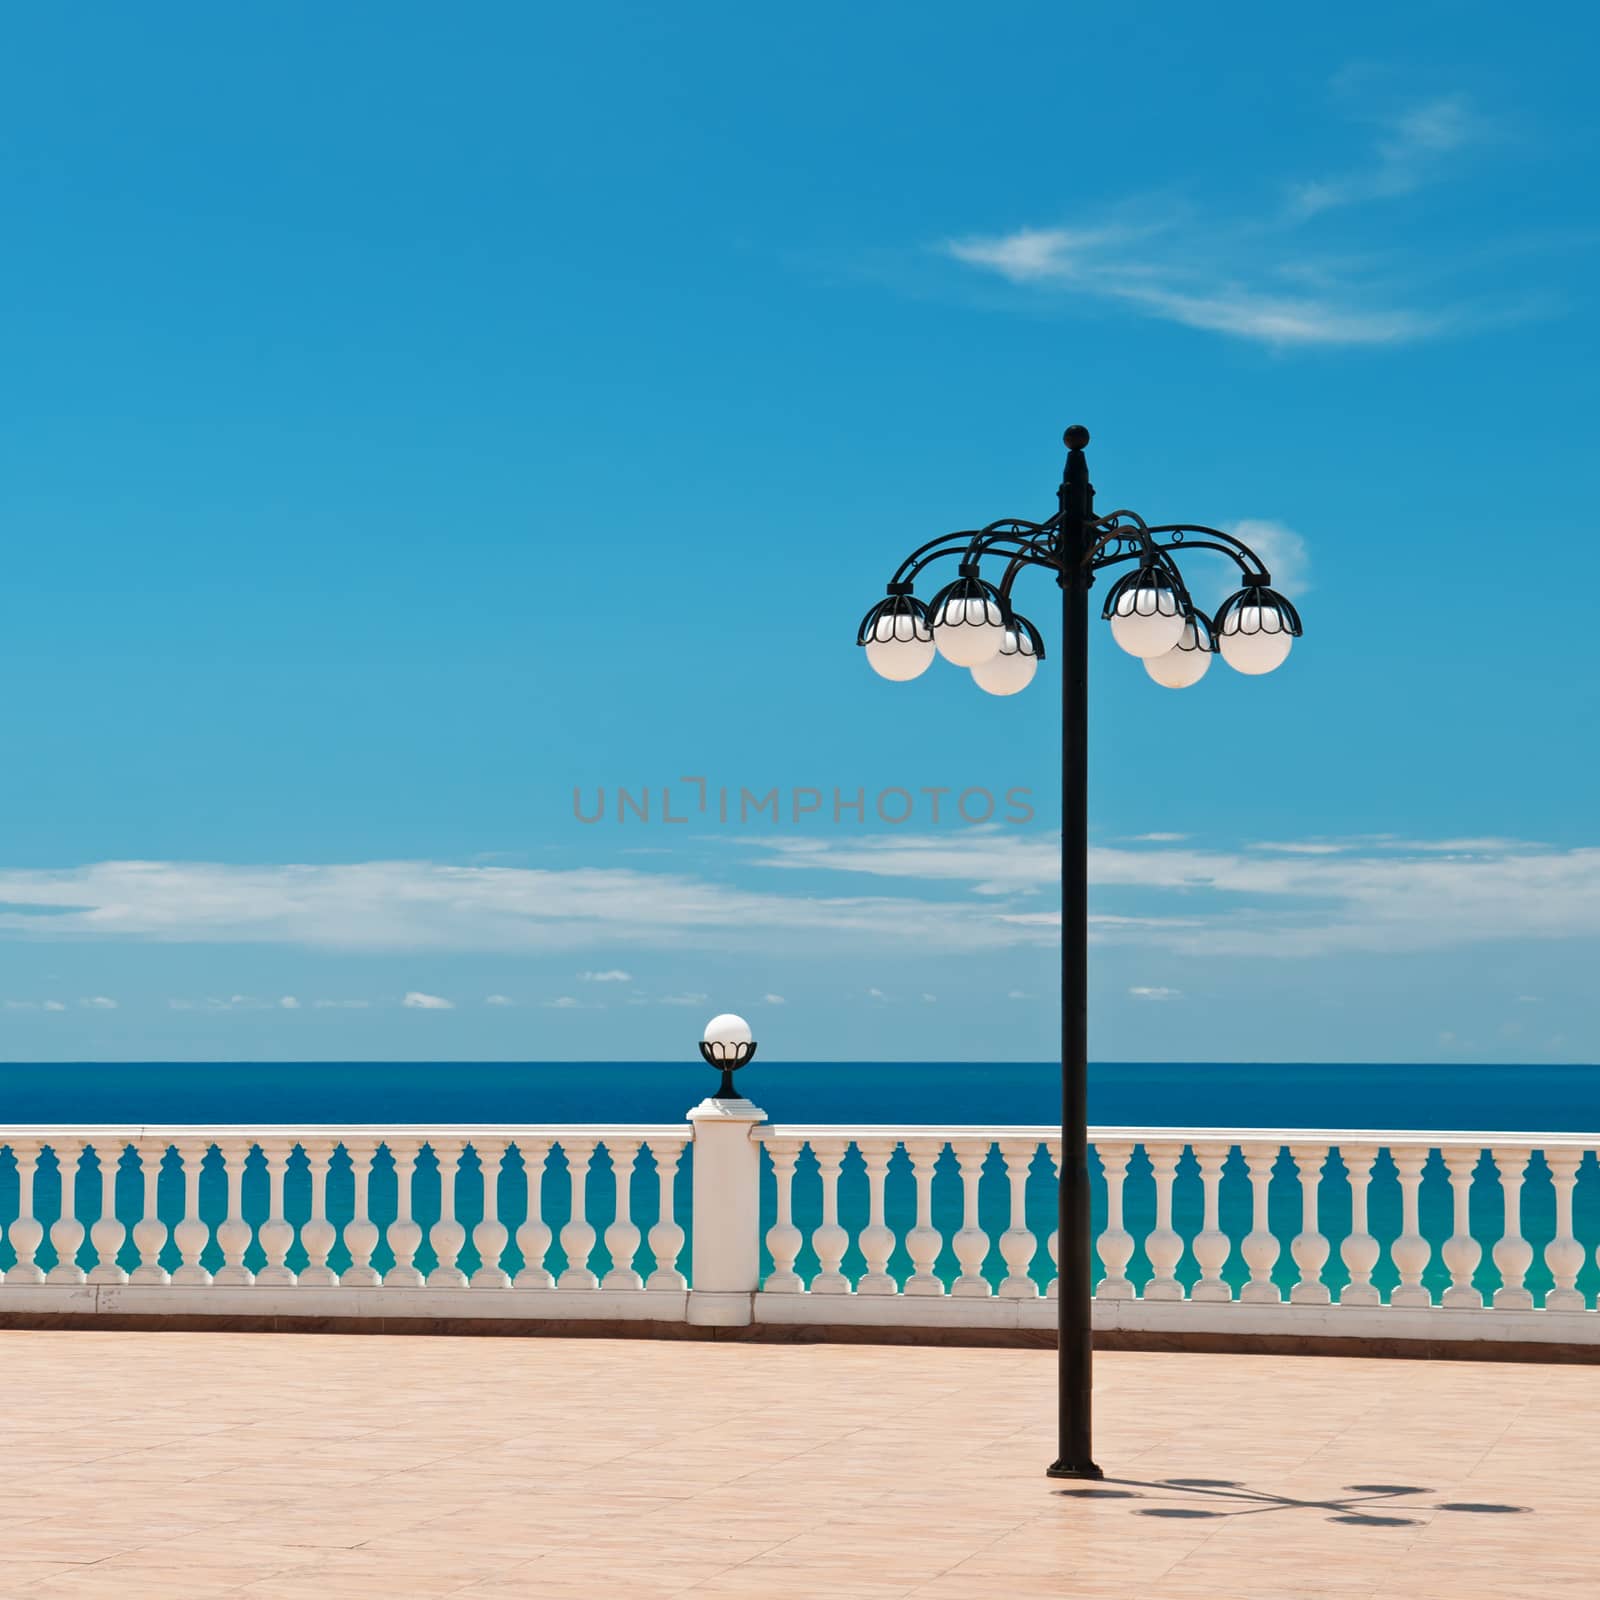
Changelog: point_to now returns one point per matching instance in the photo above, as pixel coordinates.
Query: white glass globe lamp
(1188, 661)
(1011, 668)
(968, 621)
(1256, 629)
(1146, 613)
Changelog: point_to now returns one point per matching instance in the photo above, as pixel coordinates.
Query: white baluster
(666, 1237)
(1461, 1252)
(1358, 1249)
(447, 1235)
(622, 1237)
(1211, 1244)
(317, 1235)
(1115, 1245)
(405, 1235)
(192, 1234)
(1309, 1247)
(67, 1232)
(1053, 1243)
(1512, 1254)
(971, 1243)
(27, 1232)
(830, 1241)
(533, 1237)
(1410, 1252)
(276, 1234)
(233, 1232)
(1564, 1256)
(150, 1232)
(877, 1238)
(577, 1236)
(360, 1232)
(924, 1242)
(109, 1232)
(489, 1238)
(1163, 1245)
(783, 1238)
(1017, 1244)
(1260, 1246)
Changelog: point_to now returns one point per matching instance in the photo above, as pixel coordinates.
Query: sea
(1439, 1098)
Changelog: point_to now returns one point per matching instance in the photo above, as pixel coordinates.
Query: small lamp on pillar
(727, 1043)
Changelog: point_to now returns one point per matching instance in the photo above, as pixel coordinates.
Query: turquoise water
(1475, 1098)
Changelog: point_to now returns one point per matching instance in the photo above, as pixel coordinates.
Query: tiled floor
(179, 1465)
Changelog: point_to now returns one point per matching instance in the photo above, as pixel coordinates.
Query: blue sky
(413, 419)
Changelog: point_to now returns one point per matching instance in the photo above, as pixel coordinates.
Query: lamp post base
(1073, 1469)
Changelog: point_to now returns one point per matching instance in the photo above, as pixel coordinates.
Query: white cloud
(562, 1002)
(498, 1000)
(1253, 277)
(1018, 994)
(876, 994)
(54, 1005)
(289, 1003)
(773, 1000)
(341, 1005)
(1283, 550)
(98, 1002)
(684, 999)
(1155, 992)
(610, 975)
(418, 1001)
(930, 999)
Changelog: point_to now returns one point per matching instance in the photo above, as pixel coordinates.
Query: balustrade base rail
(1384, 1240)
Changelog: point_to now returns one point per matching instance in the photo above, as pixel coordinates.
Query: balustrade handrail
(1046, 1134)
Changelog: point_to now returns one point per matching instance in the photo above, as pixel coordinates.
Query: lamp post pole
(971, 623)
(1074, 1383)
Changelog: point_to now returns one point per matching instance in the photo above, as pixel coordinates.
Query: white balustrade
(985, 1281)
(489, 1237)
(1053, 1243)
(1163, 1245)
(1211, 1245)
(622, 1237)
(577, 1235)
(1308, 1247)
(447, 1235)
(829, 1240)
(67, 1231)
(1116, 1243)
(1461, 1252)
(1260, 1247)
(666, 1237)
(534, 1236)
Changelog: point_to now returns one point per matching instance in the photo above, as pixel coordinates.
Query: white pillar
(1017, 1244)
(924, 1242)
(829, 1239)
(666, 1237)
(1461, 1252)
(1512, 1254)
(490, 1237)
(1410, 1252)
(447, 1235)
(533, 1237)
(109, 1231)
(577, 1232)
(1260, 1247)
(971, 1242)
(727, 1212)
(404, 1232)
(27, 1232)
(1564, 1256)
(1358, 1249)
(360, 1232)
(1162, 1244)
(1211, 1244)
(317, 1234)
(233, 1232)
(276, 1234)
(1309, 1247)
(192, 1234)
(1115, 1245)
(66, 1232)
(150, 1232)
(877, 1238)
(783, 1238)
(622, 1236)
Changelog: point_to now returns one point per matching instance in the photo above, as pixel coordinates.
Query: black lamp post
(727, 1043)
(972, 624)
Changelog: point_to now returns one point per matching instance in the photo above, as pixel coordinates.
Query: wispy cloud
(773, 1000)
(416, 1000)
(1155, 992)
(1259, 278)
(289, 1003)
(562, 1002)
(98, 1002)
(1412, 148)
(610, 975)
(341, 1005)
(32, 1005)
(498, 1000)
(684, 999)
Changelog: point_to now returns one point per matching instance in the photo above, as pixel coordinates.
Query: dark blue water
(1542, 1099)
(1486, 1099)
